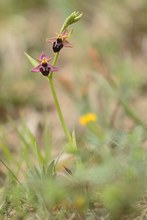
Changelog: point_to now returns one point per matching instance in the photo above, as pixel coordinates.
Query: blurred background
(110, 48)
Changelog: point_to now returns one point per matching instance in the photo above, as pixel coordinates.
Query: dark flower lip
(57, 45)
(44, 67)
(45, 70)
(60, 41)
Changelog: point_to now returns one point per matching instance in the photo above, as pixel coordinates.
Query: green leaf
(32, 61)
(74, 140)
(72, 147)
(51, 168)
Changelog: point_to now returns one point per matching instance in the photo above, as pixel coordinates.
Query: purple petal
(53, 68)
(52, 40)
(42, 55)
(65, 33)
(36, 69)
(67, 44)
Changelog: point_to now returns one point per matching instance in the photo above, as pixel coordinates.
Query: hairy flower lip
(44, 67)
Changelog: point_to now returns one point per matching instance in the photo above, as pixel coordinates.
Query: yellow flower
(85, 119)
(80, 202)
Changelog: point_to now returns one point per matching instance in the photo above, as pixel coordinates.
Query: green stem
(54, 63)
(50, 77)
(59, 110)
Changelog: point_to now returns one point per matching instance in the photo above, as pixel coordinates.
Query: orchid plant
(43, 66)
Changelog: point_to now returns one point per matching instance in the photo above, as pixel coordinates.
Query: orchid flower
(44, 67)
(60, 41)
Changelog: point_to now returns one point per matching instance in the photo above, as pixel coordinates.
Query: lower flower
(44, 67)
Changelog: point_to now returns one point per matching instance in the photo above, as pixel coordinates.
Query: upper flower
(44, 67)
(60, 41)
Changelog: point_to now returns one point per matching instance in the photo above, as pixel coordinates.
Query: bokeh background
(110, 42)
